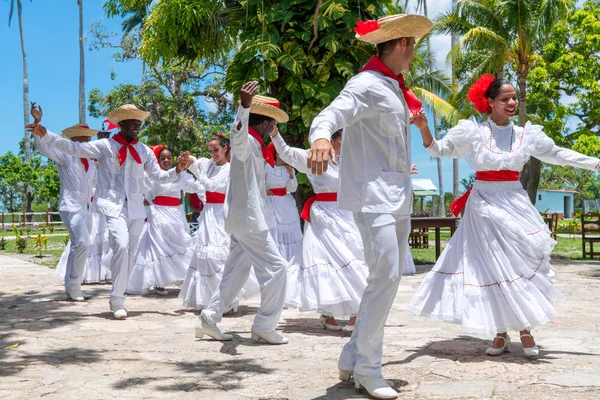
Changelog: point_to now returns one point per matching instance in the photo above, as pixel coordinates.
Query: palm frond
(442, 108)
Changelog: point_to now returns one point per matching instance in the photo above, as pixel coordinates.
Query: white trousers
(124, 237)
(385, 240)
(261, 251)
(78, 224)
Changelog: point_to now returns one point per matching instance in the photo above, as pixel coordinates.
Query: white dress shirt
(76, 185)
(375, 176)
(116, 182)
(246, 209)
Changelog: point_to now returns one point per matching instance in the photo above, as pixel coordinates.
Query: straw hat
(79, 130)
(269, 107)
(393, 27)
(128, 111)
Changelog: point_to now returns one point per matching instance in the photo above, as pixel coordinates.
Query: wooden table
(436, 223)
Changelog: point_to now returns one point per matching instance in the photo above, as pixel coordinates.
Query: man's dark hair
(257, 119)
(386, 47)
(337, 134)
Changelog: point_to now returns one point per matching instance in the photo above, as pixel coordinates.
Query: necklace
(512, 135)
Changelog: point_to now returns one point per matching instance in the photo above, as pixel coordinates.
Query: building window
(539, 196)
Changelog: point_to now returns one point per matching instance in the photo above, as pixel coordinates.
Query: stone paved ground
(70, 350)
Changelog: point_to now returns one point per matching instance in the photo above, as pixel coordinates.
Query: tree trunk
(82, 112)
(530, 176)
(25, 103)
(455, 175)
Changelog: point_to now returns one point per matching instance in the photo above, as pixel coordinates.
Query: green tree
(507, 33)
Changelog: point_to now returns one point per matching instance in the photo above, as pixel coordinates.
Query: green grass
(565, 247)
(50, 257)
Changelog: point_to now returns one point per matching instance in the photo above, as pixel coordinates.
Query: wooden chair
(551, 219)
(590, 233)
(419, 239)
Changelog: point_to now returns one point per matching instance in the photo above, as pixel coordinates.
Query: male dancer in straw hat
(248, 220)
(375, 109)
(122, 161)
(77, 178)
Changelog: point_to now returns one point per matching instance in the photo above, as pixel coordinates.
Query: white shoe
(492, 351)
(326, 326)
(203, 327)
(346, 375)
(530, 351)
(233, 308)
(269, 337)
(375, 385)
(163, 292)
(348, 328)
(76, 295)
(118, 312)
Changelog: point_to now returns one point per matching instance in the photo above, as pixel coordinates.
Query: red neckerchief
(123, 150)
(86, 164)
(267, 155)
(375, 64)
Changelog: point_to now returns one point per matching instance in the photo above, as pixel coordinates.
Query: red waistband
(278, 191)
(490, 176)
(166, 201)
(326, 196)
(215, 198)
(497, 176)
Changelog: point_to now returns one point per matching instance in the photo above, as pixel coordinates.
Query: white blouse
(278, 177)
(489, 147)
(211, 177)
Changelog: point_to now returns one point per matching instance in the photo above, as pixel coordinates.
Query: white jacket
(116, 183)
(375, 159)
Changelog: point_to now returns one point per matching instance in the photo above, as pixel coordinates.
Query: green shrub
(2, 243)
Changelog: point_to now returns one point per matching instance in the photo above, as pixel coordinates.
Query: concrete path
(57, 349)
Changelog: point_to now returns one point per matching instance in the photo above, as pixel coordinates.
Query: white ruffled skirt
(409, 264)
(164, 251)
(210, 249)
(287, 233)
(328, 274)
(495, 273)
(97, 266)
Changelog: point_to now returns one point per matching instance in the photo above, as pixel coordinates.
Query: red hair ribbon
(157, 149)
(477, 93)
(222, 135)
(364, 27)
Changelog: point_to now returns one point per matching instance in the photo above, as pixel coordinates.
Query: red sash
(215, 198)
(490, 176)
(279, 191)
(326, 196)
(166, 201)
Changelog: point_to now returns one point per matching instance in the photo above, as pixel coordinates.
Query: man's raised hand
(247, 93)
(318, 156)
(36, 113)
(37, 129)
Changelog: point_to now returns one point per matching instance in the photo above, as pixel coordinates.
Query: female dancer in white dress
(495, 273)
(211, 242)
(329, 274)
(165, 247)
(281, 181)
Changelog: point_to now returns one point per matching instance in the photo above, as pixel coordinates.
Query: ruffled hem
(336, 290)
(164, 271)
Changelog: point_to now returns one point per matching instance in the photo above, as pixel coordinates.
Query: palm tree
(508, 33)
(25, 92)
(82, 112)
(455, 175)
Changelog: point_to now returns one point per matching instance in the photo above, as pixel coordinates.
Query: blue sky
(51, 43)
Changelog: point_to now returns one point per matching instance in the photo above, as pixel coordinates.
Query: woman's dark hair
(163, 149)
(223, 142)
(257, 119)
(494, 89)
(337, 134)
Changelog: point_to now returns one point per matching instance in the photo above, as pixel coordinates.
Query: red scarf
(122, 154)
(267, 155)
(85, 163)
(375, 64)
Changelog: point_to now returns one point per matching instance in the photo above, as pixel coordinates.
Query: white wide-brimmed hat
(269, 107)
(79, 130)
(392, 27)
(128, 111)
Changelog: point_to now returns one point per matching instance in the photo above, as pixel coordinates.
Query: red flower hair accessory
(477, 93)
(157, 149)
(364, 27)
